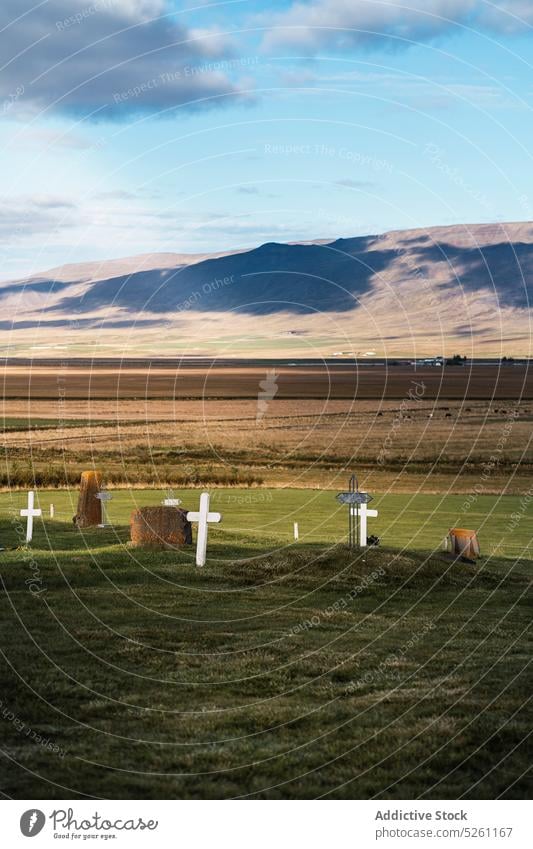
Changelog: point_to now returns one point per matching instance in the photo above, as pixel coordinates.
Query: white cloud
(24, 217)
(107, 58)
(44, 138)
(510, 16)
(343, 24)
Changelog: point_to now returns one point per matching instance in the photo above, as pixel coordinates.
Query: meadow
(416, 521)
(402, 445)
(282, 669)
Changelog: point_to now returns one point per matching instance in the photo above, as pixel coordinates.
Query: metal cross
(103, 497)
(355, 498)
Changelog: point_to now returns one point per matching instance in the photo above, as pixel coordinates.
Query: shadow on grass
(60, 536)
(249, 562)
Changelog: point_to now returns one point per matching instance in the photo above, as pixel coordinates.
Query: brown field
(429, 437)
(336, 382)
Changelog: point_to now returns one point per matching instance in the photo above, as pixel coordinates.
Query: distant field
(12, 423)
(342, 381)
(410, 445)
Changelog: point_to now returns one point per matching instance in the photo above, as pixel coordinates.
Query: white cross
(30, 512)
(203, 516)
(364, 514)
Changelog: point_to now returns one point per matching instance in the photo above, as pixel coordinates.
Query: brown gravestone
(89, 512)
(464, 543)
(160, 527)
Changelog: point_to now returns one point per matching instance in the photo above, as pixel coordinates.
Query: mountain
(453, 289)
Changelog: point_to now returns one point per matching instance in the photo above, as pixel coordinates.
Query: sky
(138, 126)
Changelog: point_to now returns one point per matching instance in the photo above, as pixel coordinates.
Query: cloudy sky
(133, 126)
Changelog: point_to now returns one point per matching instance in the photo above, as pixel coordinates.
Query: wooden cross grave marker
(30, 512)
(362, 512)
(203, 517)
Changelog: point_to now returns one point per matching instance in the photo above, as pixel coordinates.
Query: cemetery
(206, 598)
(320, 664)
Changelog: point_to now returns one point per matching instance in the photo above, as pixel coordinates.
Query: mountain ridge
(404, 292)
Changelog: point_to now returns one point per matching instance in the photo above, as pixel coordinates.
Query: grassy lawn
(278, 671)
(415, 522)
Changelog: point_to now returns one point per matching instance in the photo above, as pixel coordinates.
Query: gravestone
(160, 527)
(89, 512)
(170, 500)
(464, 544)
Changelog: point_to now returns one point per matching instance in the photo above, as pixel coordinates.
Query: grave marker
(203, 517)
(30, 512)
(358, 512)
(89, 512)
(170, 501)
(160, 527)
(363, 513)
(103, 497)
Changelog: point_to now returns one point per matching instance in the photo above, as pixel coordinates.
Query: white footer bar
(253, 824)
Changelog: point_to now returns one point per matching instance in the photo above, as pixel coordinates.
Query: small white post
(203, 517)
(364, 514)
(30, 512)
(104, 496)
(296, 533)
(52, 511)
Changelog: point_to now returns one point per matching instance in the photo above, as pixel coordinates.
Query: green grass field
(416, 522)
(280, 670)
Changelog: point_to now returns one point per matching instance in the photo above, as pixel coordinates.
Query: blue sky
(133, 126)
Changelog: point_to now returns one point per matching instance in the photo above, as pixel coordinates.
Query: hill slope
(411, 293)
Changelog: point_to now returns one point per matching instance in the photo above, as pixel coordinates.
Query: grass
(397, 442)
(278, 671)
(417, 521)
(18, 423)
